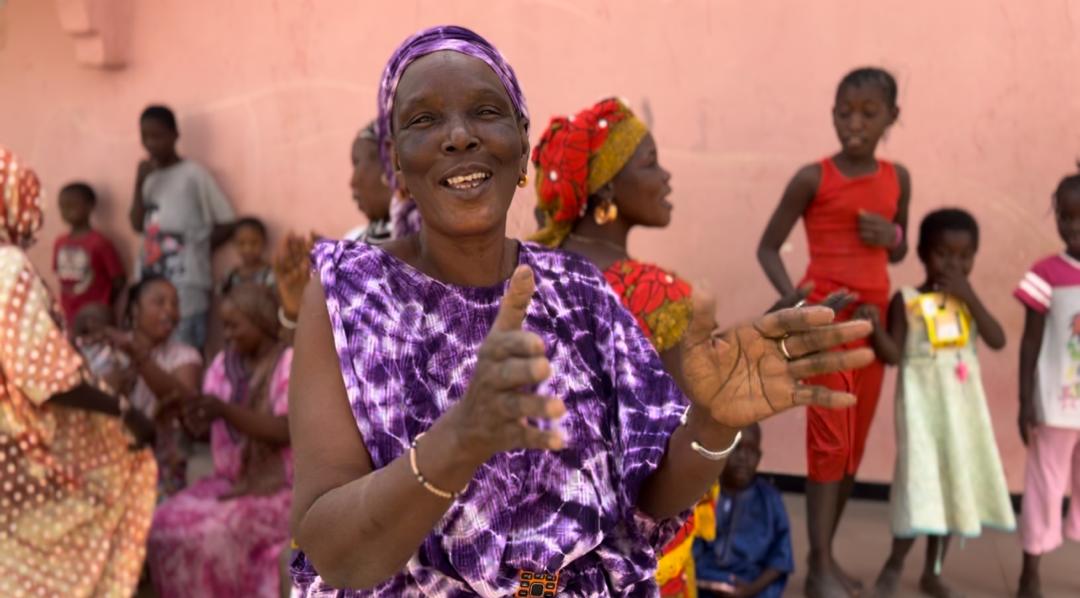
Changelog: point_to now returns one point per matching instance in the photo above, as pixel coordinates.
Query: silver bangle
(285, 322)
(706, 453)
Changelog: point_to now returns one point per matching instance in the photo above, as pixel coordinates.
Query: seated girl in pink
(224, 536)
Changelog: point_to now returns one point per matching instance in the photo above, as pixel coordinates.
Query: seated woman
(76, 501)
(224, 535)
(167, 372)
(479, 416)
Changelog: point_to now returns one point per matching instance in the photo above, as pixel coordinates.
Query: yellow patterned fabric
(75, 501)
(705, 514)
(675, 569)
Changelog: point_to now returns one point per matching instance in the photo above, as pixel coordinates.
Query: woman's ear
(605, 194)
(523, 127)
(399, 181)
(895, 115)
(394, 164)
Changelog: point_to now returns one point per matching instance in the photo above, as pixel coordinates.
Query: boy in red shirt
(85, 261)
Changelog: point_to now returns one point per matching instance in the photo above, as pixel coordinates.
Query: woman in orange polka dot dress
(75, 499)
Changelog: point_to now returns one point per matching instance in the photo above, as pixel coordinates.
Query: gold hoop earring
(523, 180)
(606, 213)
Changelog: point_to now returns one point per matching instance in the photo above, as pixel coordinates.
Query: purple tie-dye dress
(407, 345)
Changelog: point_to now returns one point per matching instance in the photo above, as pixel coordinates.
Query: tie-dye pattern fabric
(407, 345)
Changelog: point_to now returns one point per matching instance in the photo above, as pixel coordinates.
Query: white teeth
(467, 181)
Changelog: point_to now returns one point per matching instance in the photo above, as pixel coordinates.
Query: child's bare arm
(956, 283)
(897, 253)
(884, 338)
(138, 209)
(1030, 345)
(797, 197)
(119, 283)
(989, 328)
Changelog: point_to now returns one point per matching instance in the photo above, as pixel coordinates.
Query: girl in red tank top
(855, 210)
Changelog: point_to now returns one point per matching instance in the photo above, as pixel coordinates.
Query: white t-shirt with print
(183, 204)
(1052, 288)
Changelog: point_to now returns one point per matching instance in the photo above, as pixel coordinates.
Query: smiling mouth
(467, 181)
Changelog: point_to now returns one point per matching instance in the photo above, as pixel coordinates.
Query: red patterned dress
(660, 302)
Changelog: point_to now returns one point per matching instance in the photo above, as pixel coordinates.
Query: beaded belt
(543, 585)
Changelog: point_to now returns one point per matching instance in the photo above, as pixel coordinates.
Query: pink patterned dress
(203, 545)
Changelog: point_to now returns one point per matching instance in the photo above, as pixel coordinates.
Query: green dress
(949, 478)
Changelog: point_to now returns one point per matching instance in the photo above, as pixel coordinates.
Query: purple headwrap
(405, 218)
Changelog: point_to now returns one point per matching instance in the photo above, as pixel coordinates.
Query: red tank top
(838, 258)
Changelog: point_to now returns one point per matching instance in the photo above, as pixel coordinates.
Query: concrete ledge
(101, 30)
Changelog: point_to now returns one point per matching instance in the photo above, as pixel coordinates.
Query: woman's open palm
(742, 376)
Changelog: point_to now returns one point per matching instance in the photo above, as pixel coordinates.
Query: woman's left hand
(742, 376)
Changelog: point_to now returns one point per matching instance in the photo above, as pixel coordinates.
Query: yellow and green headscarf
(576, 157)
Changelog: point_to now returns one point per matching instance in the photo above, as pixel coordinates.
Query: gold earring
(523, 180)
(606, 213)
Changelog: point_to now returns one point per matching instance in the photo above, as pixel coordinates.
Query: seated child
(751, 555)
(249, 241)
(88, 333)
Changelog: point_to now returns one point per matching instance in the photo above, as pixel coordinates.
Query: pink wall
(270, 92)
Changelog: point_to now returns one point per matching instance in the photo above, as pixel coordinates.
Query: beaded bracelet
(420, 477)
(899, 236)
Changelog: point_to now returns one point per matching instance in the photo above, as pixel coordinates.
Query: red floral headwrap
(20, 201)
(578, 156)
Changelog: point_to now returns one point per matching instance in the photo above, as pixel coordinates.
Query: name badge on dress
(946, 320)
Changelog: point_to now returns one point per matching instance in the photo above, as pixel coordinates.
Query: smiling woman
(430, 373)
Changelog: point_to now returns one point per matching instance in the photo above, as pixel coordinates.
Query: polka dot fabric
(20, 200)
(75, 502)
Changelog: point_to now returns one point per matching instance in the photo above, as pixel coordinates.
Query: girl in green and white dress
(949, 480)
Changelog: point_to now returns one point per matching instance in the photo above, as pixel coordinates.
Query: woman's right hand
(493, 415)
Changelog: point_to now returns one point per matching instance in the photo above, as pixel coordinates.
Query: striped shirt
(1052, 287)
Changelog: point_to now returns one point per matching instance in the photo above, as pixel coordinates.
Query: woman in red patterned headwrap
(75, 500)
(597, 177)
